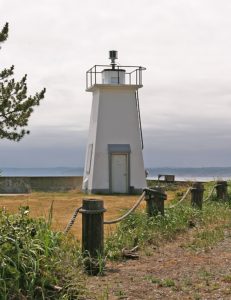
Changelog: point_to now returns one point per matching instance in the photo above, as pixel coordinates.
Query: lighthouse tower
(114, 160)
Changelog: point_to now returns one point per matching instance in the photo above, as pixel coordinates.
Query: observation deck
(114, 75)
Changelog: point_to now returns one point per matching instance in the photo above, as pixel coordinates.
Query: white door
(119, 172)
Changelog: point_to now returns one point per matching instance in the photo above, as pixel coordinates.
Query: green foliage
(227, 278)
(207, 238)
(120, 294)
(140, 230)
(166, 282)
(153, 279)
(16, 106)
(35, 262)
(4, 33)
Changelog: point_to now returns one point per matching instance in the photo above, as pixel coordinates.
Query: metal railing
(133, 74)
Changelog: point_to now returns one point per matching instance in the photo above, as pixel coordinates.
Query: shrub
(35, 262)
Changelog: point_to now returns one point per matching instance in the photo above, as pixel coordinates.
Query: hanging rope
(127, 213)
(72, 220)
(182, 199)
(210, 194)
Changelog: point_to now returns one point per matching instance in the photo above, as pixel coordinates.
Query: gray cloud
(186, 99)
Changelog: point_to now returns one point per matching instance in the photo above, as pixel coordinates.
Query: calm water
(200, 174)
(59, 171)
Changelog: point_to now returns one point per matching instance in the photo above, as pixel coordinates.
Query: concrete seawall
(22, 185)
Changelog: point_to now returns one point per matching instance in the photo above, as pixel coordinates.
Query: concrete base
(107, 192)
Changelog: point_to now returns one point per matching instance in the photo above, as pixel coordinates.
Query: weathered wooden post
(155, 201)
(93, 235)
(197, 192)
(222, 190)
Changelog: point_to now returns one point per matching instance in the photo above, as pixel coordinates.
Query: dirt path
(172, 271)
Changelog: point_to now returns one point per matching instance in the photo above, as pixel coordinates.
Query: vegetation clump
(146, 232)
(35, 262)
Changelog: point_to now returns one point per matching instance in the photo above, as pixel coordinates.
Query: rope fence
(92, 211)
(72, 220)
(128, 212)
(210, 194)
(182, 199)
(152, 194)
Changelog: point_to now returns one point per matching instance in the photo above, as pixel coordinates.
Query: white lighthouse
(114, 160)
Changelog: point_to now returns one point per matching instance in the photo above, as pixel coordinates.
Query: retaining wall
(22, 185)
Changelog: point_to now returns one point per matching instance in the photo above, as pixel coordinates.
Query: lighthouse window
(89, 157)
(114, 80)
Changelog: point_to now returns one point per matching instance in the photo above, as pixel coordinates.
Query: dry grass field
(64, 205)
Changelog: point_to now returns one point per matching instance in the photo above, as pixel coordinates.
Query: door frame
(123, 149)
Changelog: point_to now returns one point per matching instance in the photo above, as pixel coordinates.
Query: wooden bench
(167, 178)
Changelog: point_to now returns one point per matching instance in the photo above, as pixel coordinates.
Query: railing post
(222, 190)
(197, 192)
(95, 75)
(155, 201)
(93, 235)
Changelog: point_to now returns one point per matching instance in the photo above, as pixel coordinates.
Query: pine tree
(15, 105)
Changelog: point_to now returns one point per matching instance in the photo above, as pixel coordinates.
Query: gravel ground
(172, 271)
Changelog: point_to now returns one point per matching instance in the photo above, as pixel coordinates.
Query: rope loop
(211, 192)
(72, 220)
(92, 212)
(182, 199)
(128, 212)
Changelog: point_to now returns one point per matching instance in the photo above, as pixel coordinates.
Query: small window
(114, 80)
(89, 157)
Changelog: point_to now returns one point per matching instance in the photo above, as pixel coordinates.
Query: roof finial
(113, 55)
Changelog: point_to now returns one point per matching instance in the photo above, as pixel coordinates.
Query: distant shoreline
(181, 174)
(200, 179)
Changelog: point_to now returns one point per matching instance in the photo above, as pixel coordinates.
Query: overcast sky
(186, 99)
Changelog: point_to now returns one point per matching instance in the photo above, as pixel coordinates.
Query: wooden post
(197, 192)
(222, 190)
(155, 201)
(93, 235)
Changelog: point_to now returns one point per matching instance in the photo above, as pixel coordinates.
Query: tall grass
(140, 230)
(35, 262)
